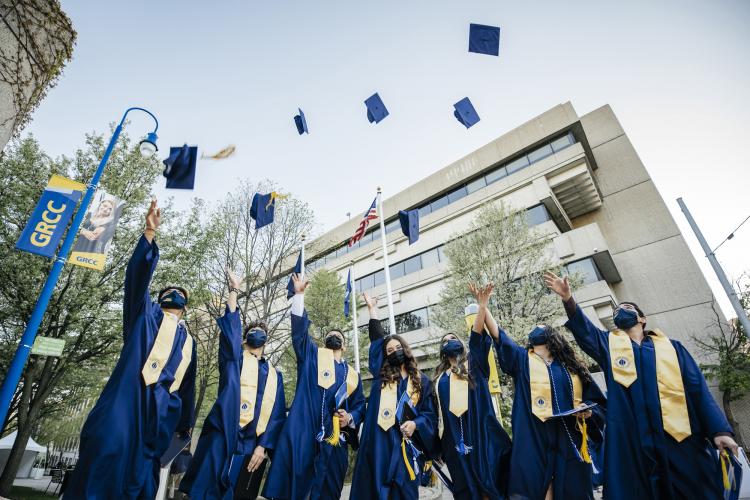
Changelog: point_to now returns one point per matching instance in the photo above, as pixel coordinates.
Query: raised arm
(593, 341)
(140, 269)
(479, 343)
(376, 333)
(230, 340)
(301, 341)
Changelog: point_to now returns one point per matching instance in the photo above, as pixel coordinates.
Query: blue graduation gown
(301, 465)
(380, 472)
(641, 459)
(132, 424)
(545, 452)
(222, 440)
(483, 472)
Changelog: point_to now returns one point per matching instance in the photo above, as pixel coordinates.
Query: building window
(457, 194)
(587, 270)
(430, 258)
(496, 175)
(476, 185)
(424, 211)
(441, 254)
(540, 153)
(517, 164)
(413, 320)
(439, 203)
(563, 142)
(392, 226)
(378, 278)
(412, 265)
(537, 215)
(397, 270)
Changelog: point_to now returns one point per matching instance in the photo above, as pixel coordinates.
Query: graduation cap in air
(484, 39)
(301, 123)
(409, 224)
(180, 167)
(376, 110)
(465, 113)
(262, 208)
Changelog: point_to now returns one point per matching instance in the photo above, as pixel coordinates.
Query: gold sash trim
(268, 401)
(388, 401)
(674, 412)
(541, 388)
(494, 379)
(326, 368)
(352, 380)
(161, 349)
(187, 357)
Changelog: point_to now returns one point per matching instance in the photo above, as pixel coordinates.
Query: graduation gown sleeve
(187, 395)
(138, 273)
(510, 355)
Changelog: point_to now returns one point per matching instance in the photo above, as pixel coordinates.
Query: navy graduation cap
(376, 110)
(409, 224)
(484, 39)
(262, 208)
(465, 113)
(179, 167)
(301, 123)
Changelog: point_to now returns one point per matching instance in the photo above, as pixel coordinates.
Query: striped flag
(371, 214)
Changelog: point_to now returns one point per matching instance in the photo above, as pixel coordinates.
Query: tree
(84, 309)
(729, 345)
(324, 301)
(500, 247)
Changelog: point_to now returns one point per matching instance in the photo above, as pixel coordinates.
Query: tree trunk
(726, 400)
(16, 454)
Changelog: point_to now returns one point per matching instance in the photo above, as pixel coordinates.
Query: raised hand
(233, 280)
(372, 302)
(482, 294)
(558, 285)
(300, 283)
(153, 217)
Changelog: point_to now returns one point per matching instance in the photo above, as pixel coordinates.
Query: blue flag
(409, 224)
(49, 221)
(348, 294)
(297, 270)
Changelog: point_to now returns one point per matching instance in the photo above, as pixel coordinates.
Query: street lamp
(147, 148)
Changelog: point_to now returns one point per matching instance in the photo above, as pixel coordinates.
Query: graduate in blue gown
(473, 444)
(245, 421)
(549, 454)
(150, 394)
(392, 453)
(657, 447)
(312, 454)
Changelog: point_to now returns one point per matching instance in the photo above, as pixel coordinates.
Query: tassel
(333, 439)
(462, 448)
(724, 471)
(581, 425)
(412, 475)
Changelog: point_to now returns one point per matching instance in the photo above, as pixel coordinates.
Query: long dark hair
(562, 351)
(459, 368)
(389, 374)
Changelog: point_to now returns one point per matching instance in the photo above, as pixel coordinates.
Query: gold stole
(187, 357)
(459, 399)
(249, 393)
(674, 412)
(388, 401)
(326, 368)
(161, 349)
(541, 388)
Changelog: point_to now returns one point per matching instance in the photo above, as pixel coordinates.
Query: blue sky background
(677, 75)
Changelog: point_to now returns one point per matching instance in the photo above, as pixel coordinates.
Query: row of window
(435, 204)
(420, 318)
(534, 215)
(405, 322)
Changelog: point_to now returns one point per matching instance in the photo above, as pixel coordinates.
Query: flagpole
(302, 260)
(353, 299)
(386, 267)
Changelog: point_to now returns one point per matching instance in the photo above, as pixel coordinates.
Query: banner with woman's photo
(97, 231)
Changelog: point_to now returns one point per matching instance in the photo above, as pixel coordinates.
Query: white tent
(29, 454)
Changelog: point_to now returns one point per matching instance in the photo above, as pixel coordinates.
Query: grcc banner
(51, 216)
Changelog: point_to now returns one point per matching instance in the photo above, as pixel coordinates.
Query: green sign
(47, 346)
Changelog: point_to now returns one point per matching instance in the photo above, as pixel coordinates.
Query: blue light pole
(147, 148)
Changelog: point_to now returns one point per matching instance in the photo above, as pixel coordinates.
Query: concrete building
(578, 175)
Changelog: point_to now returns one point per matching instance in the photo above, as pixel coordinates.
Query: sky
(676, 74)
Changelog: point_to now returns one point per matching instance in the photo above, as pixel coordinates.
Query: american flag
(371, 214)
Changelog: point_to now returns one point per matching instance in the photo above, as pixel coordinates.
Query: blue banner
(47, 225)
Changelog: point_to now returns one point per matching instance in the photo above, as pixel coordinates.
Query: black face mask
(396, 358)
(334, 342)
(173, 300)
